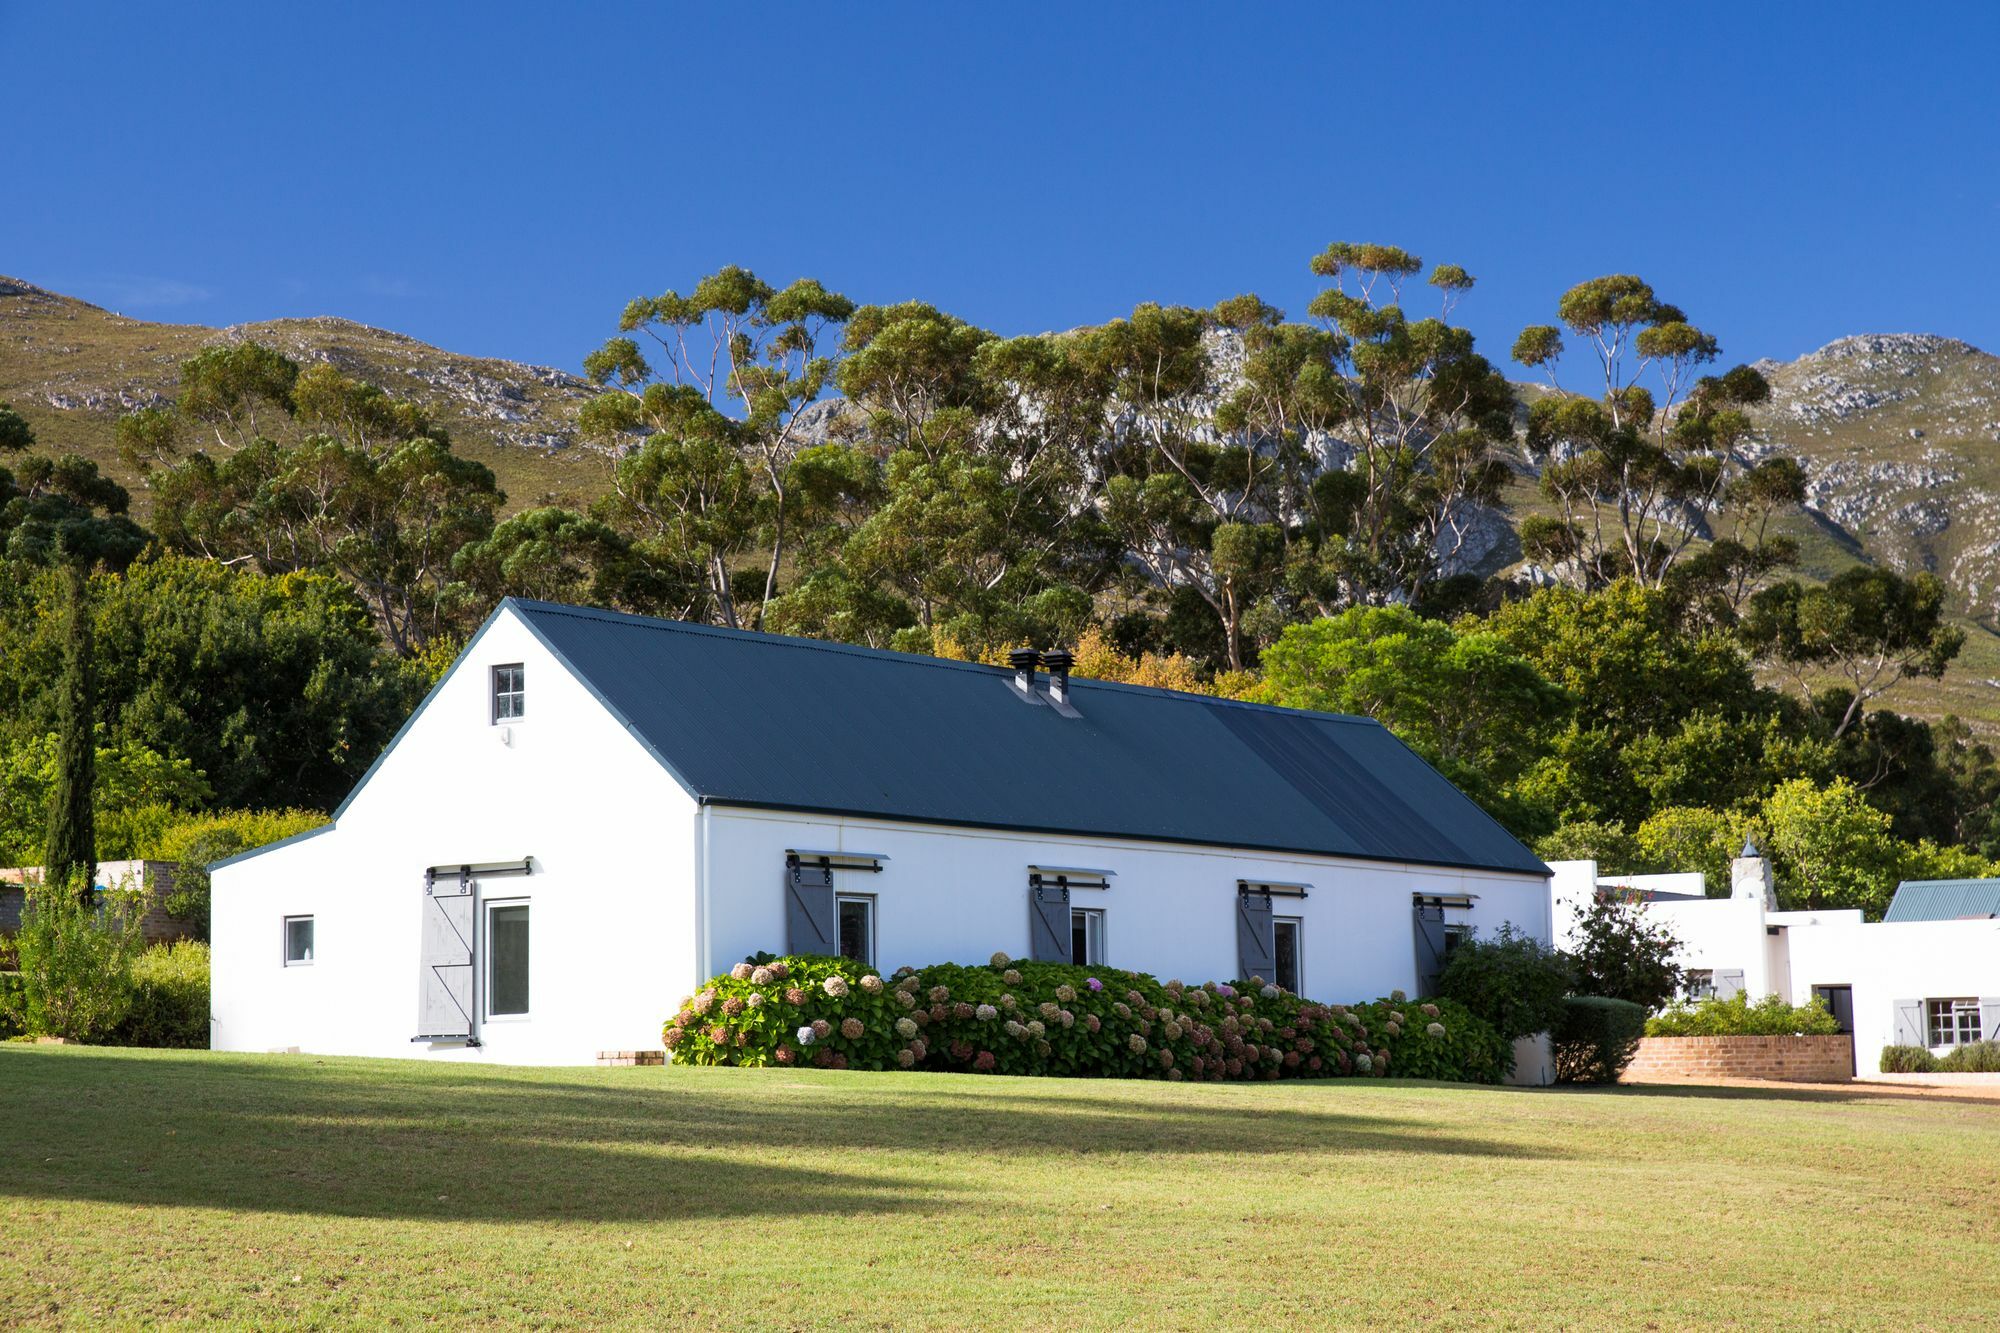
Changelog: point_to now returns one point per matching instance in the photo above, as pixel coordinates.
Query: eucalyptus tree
(1421, 409)
(1634, 465)
(736, 340)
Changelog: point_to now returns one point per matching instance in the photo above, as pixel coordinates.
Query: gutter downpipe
(702, 861)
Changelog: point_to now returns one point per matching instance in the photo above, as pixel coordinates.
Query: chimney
(1023, 661)
(1750, 876)
(1058, 663)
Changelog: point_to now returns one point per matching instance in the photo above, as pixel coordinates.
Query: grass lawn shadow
(458, 1142)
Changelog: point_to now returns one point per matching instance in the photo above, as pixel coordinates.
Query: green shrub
(193, 842)
(1057, 1019)
(169, 998)
(1907, 1060)
(1596, 1038)
(76, 959)
(1737, 1017)
(1512, 981)
(1978, 1057)
(13, 1005)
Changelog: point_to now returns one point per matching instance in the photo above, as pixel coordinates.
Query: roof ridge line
(895, 657)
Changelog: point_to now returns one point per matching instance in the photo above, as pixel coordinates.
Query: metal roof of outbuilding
(1944, 900)
(763, 720)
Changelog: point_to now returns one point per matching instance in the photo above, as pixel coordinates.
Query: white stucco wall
(612, 937)
(1890, 961)
(1789, 953)
(957, 895)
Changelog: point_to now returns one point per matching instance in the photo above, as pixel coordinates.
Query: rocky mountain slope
(72, 369)
(1900, 435)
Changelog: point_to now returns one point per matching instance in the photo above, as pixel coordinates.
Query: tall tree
(62, 513)
(1631, 471)
(1868, 628)
(734, 338)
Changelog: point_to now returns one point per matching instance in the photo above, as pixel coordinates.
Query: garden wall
(1788, 1059)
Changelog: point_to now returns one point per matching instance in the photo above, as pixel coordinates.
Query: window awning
(1070, 877)
(871, 861)
(1275, 888)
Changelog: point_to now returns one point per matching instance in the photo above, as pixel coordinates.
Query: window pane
(1285, 935)
(1079, 937)
(857, 930)
(299, 939)
(508, 947)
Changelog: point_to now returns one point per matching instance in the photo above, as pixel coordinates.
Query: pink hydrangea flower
(779, 971)
(784, 1055)
(999, 959)
(760, 976)
(872, 984)
(1429, 1011)
(671, 1037)
(1065, 993)
(821, 1027)
(741, 971)
(835, 986)
(905, 1057)
(1226, 992)
(1093, 983)
(732, 1006)
(1092, 1022)
(795, 996)
(1011, 977)
(939, 994)
(851, 1029)
(1035, 1027)
(984, 1061)
(986, 1013)
(756, 1000)
(1137, 1044)
(1435, 1029)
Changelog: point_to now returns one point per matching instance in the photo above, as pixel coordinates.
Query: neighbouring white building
(1901, 981)
(593, 812)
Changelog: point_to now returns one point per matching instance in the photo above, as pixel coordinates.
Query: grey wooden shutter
(812, 924)
(1728, 984)
(1430, 933)
(1910, 1023)
(1256, 938)
(444, 981)
(1989, 1019)
(1049, 938)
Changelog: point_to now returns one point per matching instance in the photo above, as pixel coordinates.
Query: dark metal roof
(1944, 899)
(799, 724)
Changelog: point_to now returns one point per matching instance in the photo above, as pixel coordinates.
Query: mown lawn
(137, 1187)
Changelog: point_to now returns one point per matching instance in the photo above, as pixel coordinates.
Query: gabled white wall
(1890, 961)
(958, 895)
(612, 896)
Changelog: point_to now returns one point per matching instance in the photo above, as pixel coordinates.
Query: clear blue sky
(499, 179)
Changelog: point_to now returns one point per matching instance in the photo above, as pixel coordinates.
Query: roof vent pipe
(1023, 661)
(1058, 663)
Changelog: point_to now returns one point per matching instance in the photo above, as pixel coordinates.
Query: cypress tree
(72, 835)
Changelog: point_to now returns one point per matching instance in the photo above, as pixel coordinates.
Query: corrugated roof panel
(764, 720)
(1944, 900)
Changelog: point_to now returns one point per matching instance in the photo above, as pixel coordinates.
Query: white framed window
(298, 941)
(1086, 936)
(1697, 983)
(855, 913)
(510, 695)
(507, 959)
(1287, 948)
(1952, 1022)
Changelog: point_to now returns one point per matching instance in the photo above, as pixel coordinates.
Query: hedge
(1977, 1057)
(1737, 1017)
(1596, 1038)
(1062, 1020)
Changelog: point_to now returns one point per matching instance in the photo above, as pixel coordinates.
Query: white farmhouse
(1917, 978)
(594, 812)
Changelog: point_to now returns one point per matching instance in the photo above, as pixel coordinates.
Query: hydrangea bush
(1057, 1019)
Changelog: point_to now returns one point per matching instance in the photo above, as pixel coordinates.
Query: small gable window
(509, 694)
(298, 941)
